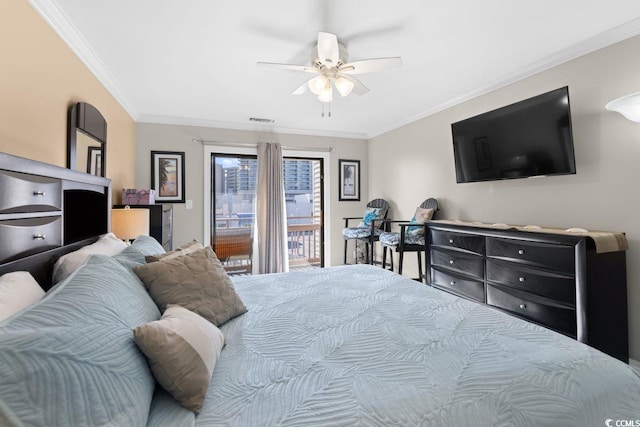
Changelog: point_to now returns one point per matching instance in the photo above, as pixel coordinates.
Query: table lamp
(127, 223)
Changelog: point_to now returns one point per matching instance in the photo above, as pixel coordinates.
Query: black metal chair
(371, 226)
(410, 238)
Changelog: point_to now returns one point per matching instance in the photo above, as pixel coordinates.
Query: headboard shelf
(46, 211)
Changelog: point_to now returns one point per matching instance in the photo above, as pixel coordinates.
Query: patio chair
(368, 231)
(411, 236)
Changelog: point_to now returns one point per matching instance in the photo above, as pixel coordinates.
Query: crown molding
(184, 121)
(62, 25)
(600, 41)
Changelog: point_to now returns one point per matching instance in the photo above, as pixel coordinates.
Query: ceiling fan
(329, 61)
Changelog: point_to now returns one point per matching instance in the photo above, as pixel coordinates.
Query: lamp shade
(344, 86)
(628, 106)
(127, 223)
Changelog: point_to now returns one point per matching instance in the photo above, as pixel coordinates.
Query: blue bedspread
(357, 345)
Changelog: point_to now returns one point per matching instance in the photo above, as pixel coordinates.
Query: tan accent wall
(602, 195)
(40, 78)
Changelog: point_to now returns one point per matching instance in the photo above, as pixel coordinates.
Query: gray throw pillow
(185, 249)
(182, 349)
(196, 282)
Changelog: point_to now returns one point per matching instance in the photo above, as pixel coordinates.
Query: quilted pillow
(421, 216)
(196, 282)
(147, 245)
(182, 349)
(370, 214)
(70, 358)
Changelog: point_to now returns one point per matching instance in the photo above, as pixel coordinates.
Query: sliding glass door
(233, 184)
(304, 201)
(232, 219)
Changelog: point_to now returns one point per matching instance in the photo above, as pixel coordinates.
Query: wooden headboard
(47, 211)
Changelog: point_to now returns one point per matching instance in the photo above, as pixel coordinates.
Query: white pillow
(107, 244)
(17, 290)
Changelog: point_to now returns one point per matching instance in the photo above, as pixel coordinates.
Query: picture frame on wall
(94, 160)
(167, 176)
(349, 180)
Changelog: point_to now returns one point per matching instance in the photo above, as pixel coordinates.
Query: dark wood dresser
(560, 281)
(160, 223)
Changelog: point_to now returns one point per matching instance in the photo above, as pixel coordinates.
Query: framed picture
(94, 161)
(167, 176)
(349, 180)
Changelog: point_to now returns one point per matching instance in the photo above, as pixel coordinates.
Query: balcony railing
(233, 245)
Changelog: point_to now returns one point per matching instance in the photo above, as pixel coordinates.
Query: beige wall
(40, 77)
(189, 224)
(603, 195)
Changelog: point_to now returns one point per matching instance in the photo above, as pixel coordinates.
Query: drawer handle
(520, 251)
(450, 261)
(450, 240)
(523, 306)
(522, 279)
(39, 237)
(453, 282)
(39, 193)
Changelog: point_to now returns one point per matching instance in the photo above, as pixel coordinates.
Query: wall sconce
(628, 106)
(127, 223)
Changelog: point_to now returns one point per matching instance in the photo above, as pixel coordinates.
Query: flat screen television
(522, 140)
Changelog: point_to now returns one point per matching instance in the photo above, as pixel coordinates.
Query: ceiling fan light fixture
(344, 86)
(318, 84)
(326, 95)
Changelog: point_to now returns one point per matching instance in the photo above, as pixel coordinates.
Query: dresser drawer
(21, 237)
(556, 317)
(472, 289)
(469, 264)
(544, 255)
(454, 240)
(29, 193)
(540, 282)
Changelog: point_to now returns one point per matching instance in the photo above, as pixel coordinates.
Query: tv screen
(526, 139)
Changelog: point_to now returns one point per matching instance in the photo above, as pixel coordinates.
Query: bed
(347, 345)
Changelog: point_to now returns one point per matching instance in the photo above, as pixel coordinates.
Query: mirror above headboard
(86, 139)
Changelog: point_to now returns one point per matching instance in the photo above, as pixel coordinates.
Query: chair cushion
(421, 216)
(393, 239)
(370, 214)
(360, 232)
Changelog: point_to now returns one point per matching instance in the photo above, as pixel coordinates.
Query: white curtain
(271, 218)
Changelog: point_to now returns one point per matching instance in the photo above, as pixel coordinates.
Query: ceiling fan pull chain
(322, 115)
(330, 109)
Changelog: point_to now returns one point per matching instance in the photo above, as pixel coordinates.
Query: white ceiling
(194, 61)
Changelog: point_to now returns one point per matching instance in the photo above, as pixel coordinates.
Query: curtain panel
(271, 220)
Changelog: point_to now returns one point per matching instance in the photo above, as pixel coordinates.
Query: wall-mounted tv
(522, 140)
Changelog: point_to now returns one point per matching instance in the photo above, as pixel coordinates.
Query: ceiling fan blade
(358, 87)
(328, 51)
(371, 65)
(292, 67)
(302, 89)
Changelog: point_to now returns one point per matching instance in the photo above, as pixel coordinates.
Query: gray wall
(603, 195)
(189, 224)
